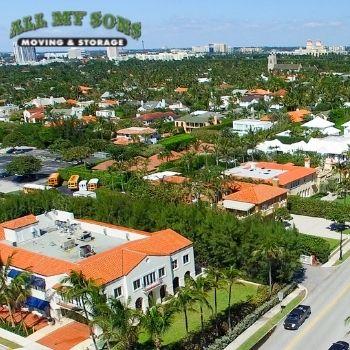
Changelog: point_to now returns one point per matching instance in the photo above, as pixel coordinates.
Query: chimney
(275, 182)
(307, 163)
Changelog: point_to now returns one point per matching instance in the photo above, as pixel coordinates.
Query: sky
(184, 23)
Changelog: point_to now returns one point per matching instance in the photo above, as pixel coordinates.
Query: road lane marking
(316, 319)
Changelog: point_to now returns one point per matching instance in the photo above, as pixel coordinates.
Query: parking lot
(50, 164)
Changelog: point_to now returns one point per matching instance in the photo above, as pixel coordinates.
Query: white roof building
(243, 126)
(325, 126)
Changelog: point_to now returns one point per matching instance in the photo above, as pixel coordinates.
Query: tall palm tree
(119, 324)
(214, 276)
(156, 321)
(183, 301)
(230, 277)
(270, 251)
(200, 287)
(84, 291)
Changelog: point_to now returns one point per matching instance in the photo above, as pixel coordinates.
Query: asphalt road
(329, 298)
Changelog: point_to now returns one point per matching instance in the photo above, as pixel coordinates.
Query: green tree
(77, 153)
(156, 321)
(24, 165)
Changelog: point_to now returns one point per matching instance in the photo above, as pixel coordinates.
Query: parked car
(297, 317)
(340, 345)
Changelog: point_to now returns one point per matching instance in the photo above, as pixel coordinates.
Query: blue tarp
(37, 303)
(13, 273)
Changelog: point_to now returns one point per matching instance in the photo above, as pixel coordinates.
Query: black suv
(340, 345)
(297, 317)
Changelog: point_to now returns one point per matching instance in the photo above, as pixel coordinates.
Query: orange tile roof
(104, 165)
(175, 179)
(20, 222)
(280, 93)
(266, 118)
(260, 92)
(71, 101)
(256, 193)
(136, 131)
(110, 102)
(298, 115)
(35, 262)
(66, 337)
(181, 89)
(87, 119)
(155, 161)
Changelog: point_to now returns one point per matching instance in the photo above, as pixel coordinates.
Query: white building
(6, 111)
(24, 54)
(112, 52)
(131, 265)
(46, 101)
(75, 53)
(105, 113)
(244, 126)
(324, 126)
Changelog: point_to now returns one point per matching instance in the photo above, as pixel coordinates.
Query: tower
(24, 54)
(271, 62)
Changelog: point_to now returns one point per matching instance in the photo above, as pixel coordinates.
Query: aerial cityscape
(175, 177)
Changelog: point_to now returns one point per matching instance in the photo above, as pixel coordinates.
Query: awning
(235, 205)
(37, 282)
(37, 303)
(13, 273)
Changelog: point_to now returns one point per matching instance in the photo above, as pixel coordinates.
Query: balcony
(153, 285)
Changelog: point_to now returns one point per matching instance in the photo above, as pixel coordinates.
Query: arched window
(138, 303)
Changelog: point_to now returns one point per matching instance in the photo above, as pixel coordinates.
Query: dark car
(297, 317)
(340, 345)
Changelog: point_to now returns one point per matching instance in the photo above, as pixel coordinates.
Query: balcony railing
(153, 285)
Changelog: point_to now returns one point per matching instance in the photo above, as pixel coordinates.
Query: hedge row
(223, 342)
(317, 208)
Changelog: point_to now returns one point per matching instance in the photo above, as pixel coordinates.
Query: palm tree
(214, 276)
(119, 325)
(200, 287)
(183, 301)
(271, 251)
(156, 321)
(84, 291)
(230, 276)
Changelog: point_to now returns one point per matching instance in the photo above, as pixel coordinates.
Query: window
(186, 259)
(118, 292)
(174, 264)
(149, 279)
(161, 272)
(137, 284)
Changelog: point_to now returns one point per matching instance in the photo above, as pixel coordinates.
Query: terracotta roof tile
(66, 337)
(298, 115)
(156, 115)
(20, 222)
(104, 165)
(256, 193)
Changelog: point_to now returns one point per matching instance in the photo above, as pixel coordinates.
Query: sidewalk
(242, 338)
(335, 256)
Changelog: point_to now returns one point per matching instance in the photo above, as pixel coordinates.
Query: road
(329, 298)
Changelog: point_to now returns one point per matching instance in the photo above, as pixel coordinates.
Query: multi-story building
(249, 198)
(131, 265)
(24, 54)
(75, 53)
(297, 180)
(197, 120)
(7, 110)
(112, 52)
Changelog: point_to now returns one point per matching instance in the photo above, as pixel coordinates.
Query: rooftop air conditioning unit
(68, 244)
(85, 251)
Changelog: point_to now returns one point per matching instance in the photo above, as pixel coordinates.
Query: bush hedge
(317, 208)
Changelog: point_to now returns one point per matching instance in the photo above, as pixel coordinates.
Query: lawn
(9, 344)
(177, 331)
(334, 243)
(345, 200)
(260, 334)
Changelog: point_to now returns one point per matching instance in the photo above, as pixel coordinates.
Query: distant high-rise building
(24, 54)
(112, 52)
(74, 53)
(220, 48)
(271, 61)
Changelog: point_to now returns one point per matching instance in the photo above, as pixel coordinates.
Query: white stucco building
(244, 126)
(131, 265)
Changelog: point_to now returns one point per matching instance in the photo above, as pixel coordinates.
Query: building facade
(24, 54)
(133, 266)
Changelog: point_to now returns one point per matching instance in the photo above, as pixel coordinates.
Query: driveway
(314, 226)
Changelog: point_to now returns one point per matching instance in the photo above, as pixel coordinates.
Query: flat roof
(251, 171)
(49, 243)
